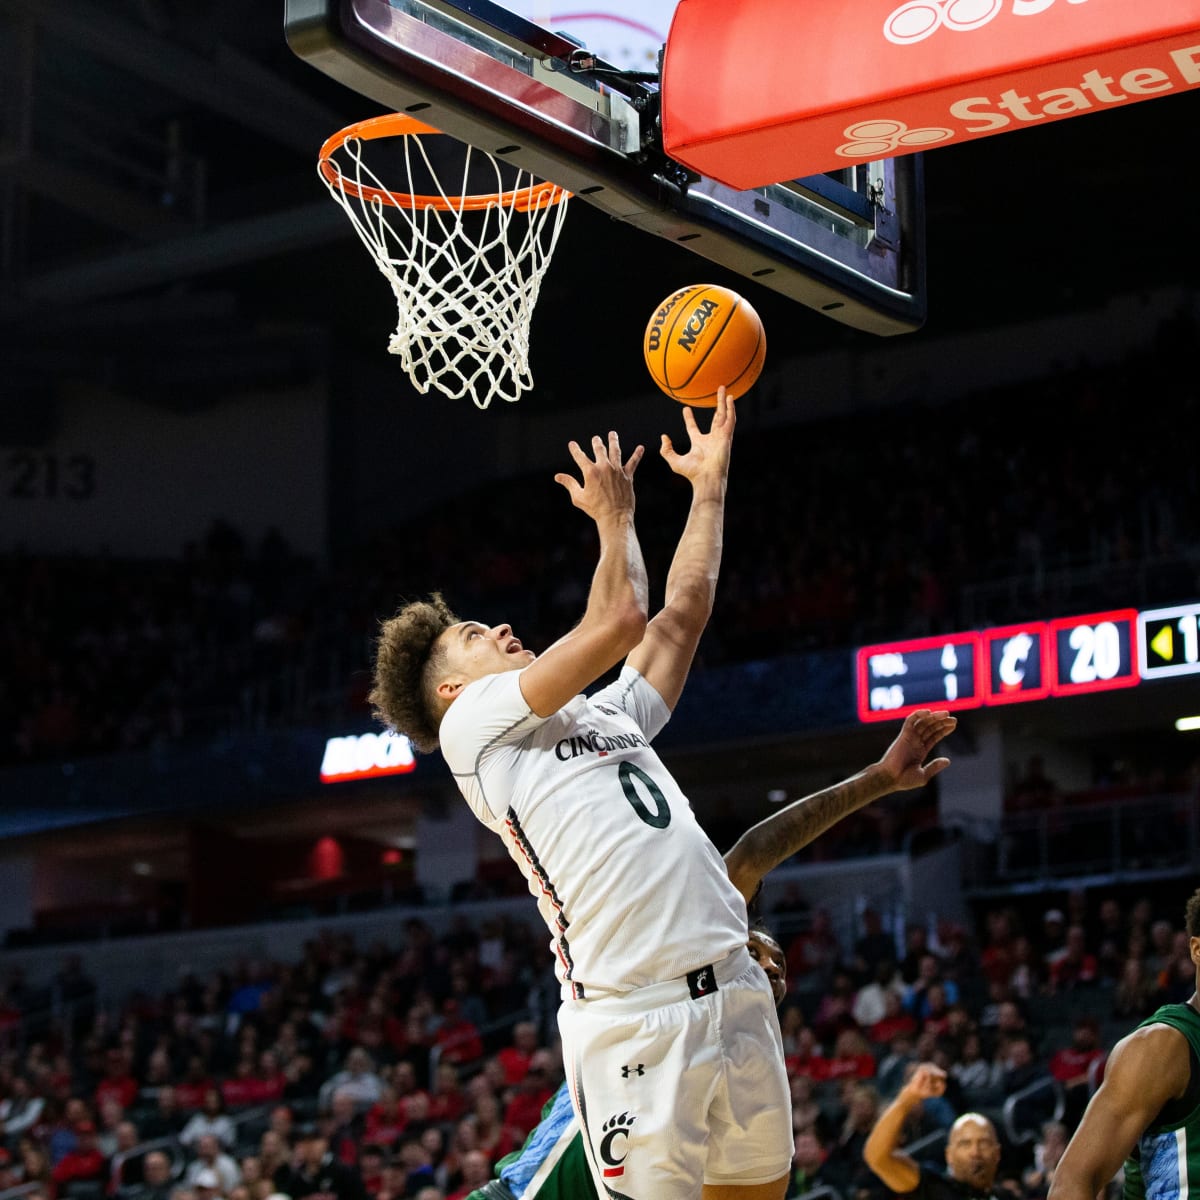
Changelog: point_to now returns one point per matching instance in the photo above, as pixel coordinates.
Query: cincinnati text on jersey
(597, 743)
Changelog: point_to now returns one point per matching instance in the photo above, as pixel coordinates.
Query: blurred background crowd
(408, 1069)
(1018, 500)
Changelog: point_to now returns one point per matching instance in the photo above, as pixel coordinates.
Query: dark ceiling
(162, 227)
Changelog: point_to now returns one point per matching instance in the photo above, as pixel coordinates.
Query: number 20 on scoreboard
(1094, 653)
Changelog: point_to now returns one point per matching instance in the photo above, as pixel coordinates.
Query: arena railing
(170, 1144)
(1019, 1134)
(926, 1142)
(25, 1189)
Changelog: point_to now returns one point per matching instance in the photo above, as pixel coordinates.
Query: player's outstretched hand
(905, 762)
(708, 453)
(927, 1081)
(606, 489)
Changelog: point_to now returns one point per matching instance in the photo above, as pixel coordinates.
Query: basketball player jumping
(670, 1040)
(1146, 1113)
(552, 1164)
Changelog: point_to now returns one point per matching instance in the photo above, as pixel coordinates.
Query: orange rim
(537, 195)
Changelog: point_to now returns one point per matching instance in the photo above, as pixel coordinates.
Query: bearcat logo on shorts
(696, 323)
(612, 1152)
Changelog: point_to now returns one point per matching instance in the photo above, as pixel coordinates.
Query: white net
(465, 269)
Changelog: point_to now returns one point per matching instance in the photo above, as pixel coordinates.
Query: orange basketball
(701, 337)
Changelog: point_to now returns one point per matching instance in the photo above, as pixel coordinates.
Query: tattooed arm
(777, 838)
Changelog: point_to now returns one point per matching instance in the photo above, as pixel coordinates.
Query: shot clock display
(1066, 656)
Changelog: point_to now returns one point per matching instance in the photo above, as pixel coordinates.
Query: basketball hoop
(465, 269)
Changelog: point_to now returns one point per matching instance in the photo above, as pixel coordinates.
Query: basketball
(701, 337)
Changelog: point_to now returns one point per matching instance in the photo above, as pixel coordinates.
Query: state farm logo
(919, 19)
(882, 139)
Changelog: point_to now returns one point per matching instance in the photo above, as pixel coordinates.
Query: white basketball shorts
(681, 1083)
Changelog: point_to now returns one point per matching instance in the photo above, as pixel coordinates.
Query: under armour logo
(640, 1069)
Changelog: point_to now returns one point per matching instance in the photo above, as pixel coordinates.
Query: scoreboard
(1066, 656)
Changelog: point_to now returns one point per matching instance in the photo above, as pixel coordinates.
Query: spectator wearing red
(894, 1021)
(84, 1162)
(816, 951)
(998, 955)
(800, 1061)
(834, 1013)
(195, 1085)
(494, 1138)
(379, 1030)
(345, 1131)
(385, 1120)
(118, 1083)
(476, 1172)
(528, 1098)
(851, 1059)
(1077, 966)
(371, 1161)
(447, 1100)
(1072, 1066)
(238, 1090)
(515, 1059)
(457, 1037)
(937, 1011)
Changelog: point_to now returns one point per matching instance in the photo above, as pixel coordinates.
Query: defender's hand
(922, 730)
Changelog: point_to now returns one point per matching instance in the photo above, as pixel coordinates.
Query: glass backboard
(575, 99)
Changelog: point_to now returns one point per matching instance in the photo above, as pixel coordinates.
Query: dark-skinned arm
(781, 835)
(1145, 1070)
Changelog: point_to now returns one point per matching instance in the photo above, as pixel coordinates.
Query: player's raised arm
(665, 654)
(615, 618)
(1146, 1069)
(902, 767)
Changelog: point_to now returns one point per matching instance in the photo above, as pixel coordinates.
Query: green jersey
(551, 1165)
(1166, 1160)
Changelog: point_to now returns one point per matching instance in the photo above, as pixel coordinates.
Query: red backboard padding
(758, 91)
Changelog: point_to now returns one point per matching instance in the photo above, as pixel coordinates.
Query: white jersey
(632, 890)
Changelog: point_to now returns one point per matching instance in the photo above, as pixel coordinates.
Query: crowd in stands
(837, 537)
(409, 1070)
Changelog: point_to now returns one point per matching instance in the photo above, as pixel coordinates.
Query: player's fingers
(599, 450)
(722, 414)
(570, 483)
(931, 769)
(667, 448)
(689, 423)
(614, 448)
(631, 464)
(576, 452)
